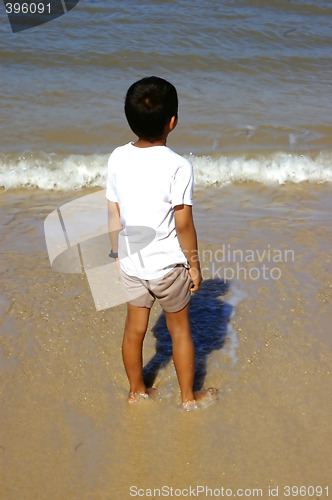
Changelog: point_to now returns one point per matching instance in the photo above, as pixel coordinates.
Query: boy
(149, 192)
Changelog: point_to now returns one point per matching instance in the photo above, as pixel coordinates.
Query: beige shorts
(172, 290)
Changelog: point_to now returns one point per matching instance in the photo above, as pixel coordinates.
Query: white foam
(237, 296)
(58, 172)
(277, 168)
(237, 293)
(53, 172)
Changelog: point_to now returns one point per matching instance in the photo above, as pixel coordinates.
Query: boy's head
(150, 104)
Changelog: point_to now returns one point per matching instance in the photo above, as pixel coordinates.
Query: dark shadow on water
(209, 317)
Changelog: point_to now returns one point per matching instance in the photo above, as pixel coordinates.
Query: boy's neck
(142, 143)
(170, 125)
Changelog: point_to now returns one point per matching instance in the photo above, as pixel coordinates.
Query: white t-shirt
(148, 183)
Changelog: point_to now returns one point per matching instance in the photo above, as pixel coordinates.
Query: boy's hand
(196, 278)
(117, 263)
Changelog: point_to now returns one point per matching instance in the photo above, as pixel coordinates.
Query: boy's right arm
(186, 233)
(114, 224)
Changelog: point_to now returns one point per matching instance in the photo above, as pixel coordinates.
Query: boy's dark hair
(150, 103)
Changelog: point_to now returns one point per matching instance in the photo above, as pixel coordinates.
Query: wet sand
(66, 430)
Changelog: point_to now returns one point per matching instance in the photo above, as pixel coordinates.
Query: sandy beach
(66, 429)
(254, 83)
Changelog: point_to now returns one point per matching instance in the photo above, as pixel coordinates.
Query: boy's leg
(184, 360)
(134, 333)
(183, 351)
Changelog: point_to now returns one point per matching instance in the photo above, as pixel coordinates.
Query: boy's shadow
(209, 317)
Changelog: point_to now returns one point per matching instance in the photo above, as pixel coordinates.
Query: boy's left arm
(186, 233)
(114, 224)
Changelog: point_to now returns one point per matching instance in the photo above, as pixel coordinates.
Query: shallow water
(64, 388)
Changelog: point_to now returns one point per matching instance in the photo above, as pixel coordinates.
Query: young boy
(149, 192)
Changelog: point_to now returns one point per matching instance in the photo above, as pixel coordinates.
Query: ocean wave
(72, 172)
(52, 171)
(276, 168)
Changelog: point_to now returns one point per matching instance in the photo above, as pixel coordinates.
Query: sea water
(254, 84)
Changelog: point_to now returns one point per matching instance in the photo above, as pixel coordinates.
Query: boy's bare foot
(206, 397)
(203, 399)
(189, 405)
(137, 397)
